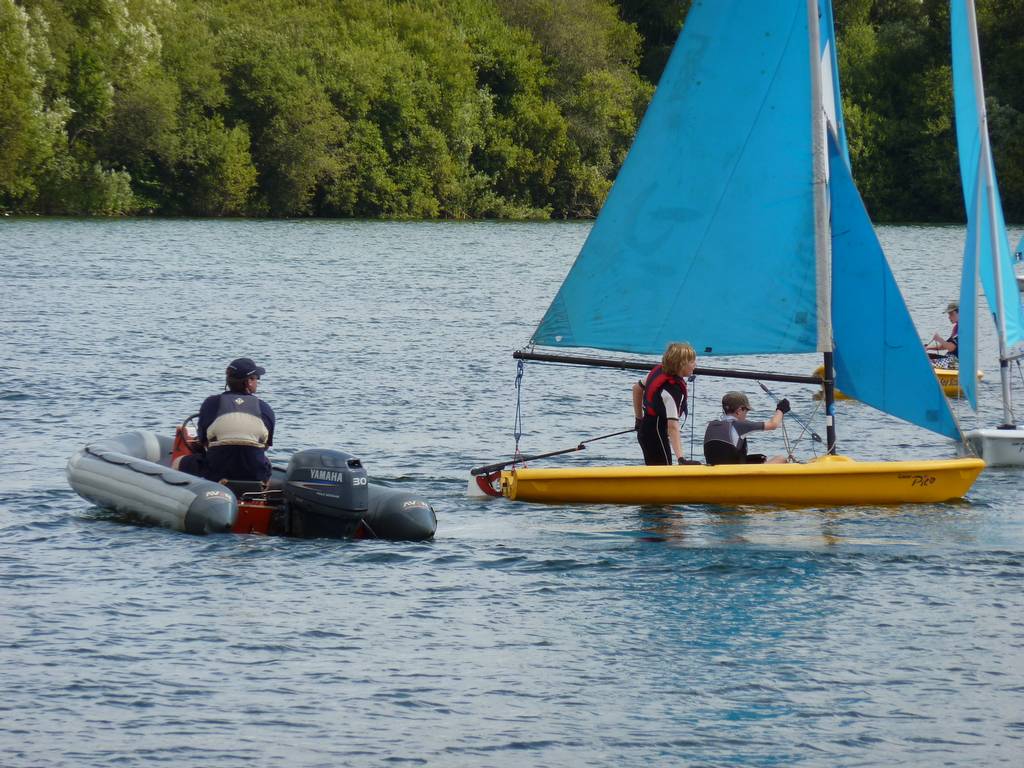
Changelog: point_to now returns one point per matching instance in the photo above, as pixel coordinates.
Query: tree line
(432, 108)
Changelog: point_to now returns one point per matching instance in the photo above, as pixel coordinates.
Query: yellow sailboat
(826, 481)
(735, 223)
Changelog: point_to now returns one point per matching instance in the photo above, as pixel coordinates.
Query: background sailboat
(1018, 255)
(740, 169)
(987, 254)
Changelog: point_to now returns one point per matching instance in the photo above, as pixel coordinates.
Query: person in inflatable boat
(235, 429)
(724, 441)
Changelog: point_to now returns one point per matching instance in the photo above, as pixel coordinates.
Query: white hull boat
(999, 447)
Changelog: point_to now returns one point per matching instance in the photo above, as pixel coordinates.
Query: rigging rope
(785, 441)
(517, 427)
(806, 428)
(692, 416)
(1013, 416)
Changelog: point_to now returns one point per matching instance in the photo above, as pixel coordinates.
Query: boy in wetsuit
(724, 441)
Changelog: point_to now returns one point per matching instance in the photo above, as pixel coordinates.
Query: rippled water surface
(522, 635)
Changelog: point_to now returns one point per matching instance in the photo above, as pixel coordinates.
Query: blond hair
(677, 354)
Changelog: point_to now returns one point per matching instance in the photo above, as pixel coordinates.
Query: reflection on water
(522, 634)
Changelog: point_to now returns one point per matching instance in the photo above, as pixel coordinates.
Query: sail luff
(822, 232)
(822, 229)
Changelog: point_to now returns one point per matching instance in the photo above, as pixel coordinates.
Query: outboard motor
(325, 493)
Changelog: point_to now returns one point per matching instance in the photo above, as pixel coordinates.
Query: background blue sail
(979, 254)
(967, 338)
(713, 203)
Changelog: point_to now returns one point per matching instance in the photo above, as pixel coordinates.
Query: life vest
(657, 380)
(238, 422)
(955, 339)
(719, 447)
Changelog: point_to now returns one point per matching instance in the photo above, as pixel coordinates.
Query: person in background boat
(724, 441)
(235, 428)
(659, 404)
(950, 346)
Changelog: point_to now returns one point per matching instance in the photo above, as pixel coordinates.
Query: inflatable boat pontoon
(321, 493)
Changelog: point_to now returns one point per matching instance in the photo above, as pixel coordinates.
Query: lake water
(522, 635)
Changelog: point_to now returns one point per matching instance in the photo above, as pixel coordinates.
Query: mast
(822, 229)
(988, 178)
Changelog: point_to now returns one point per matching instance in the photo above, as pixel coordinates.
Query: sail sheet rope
(517, 427)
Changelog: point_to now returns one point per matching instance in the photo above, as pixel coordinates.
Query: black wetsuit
(653, 432)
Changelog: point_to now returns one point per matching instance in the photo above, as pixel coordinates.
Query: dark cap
(734, 400)
(243, 368)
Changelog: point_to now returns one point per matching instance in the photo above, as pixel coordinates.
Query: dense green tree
(29, 133)
(433, 108)
(1002, 46)
(658, 22)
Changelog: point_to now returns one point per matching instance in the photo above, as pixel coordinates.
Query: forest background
(434, 108)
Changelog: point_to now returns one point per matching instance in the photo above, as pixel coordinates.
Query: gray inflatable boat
(321, 493)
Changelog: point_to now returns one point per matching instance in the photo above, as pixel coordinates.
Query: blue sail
(987, 252)
(967, 339)
(709, 231)
(713, 204)
(831, 99)
(879, 358)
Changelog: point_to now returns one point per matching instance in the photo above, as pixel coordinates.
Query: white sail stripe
(822, 234)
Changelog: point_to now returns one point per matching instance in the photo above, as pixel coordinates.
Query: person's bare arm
(638, 400)
(776, 420)
(674, 439)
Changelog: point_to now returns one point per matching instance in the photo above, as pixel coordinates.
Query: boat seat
(182, 446)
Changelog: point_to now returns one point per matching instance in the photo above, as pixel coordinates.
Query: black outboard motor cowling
(326, 494)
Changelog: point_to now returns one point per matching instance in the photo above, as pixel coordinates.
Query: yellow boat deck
(826, 481)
